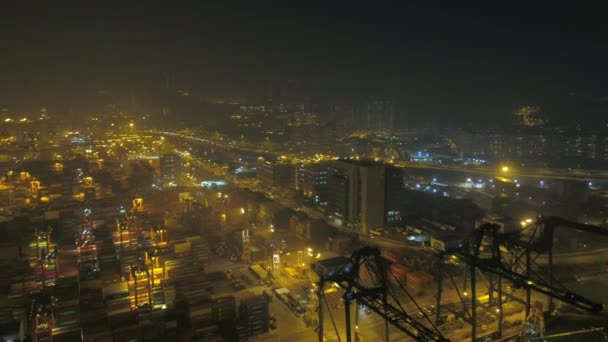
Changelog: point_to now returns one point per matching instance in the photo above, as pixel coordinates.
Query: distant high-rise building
(312, 181)
(277, 174)
(365, 193)
(372, 114)
(380, 114)
(372, 196)
(530, 116)
(170, 167)
(341, 118)
(338, 195)
(574, 145)
(393, 194)
(592, 146)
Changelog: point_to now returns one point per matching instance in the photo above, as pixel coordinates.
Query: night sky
(458, 62)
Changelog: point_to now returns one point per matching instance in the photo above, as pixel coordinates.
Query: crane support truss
(345, 273)
(509, 256)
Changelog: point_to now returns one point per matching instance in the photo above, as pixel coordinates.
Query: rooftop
(367, 163)
(329, 266)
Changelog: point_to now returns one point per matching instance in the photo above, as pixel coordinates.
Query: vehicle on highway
(365, 308)
(375, 232)
(424, 312)
(485, 299)
(259, 273)
(236, 285)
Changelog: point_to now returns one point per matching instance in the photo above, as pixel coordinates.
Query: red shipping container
(399, 272)
(390, 256)
(415, 283)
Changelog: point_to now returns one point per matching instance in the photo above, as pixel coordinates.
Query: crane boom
(395, 316)
(576, 332)
(345, 273)
(540, 286)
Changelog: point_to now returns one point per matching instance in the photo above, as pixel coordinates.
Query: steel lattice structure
(346, 272)
(511, 257)
(501, 256)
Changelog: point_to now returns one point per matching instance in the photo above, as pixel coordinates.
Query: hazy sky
(456, 61)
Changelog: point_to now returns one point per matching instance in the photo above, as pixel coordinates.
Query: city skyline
(329, 172)
(454, 63)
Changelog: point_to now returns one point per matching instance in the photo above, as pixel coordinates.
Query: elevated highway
(540, 173)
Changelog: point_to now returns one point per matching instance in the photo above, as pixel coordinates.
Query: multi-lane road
(542, 173)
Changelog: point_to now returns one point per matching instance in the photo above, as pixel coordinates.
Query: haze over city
(261, 171)
(444, 61)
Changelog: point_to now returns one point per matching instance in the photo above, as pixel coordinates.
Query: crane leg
(320, 294)
(473, 306)
(384, 301)
(528, 290)
(347, 318)
(500, 314)
(439, 290)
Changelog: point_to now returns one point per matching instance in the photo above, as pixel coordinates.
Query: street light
(505, 169)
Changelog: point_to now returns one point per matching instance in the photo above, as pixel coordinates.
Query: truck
(485, 299)
(292, 303)
(282, 294)
(260, 273)
(375, 232)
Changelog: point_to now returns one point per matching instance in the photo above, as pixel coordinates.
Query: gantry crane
(46, 255)
(503, 256)
(374, 294)
(85, 244)
(509, 256)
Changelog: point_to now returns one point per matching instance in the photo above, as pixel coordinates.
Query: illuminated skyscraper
(312, 181)
(365, 193)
